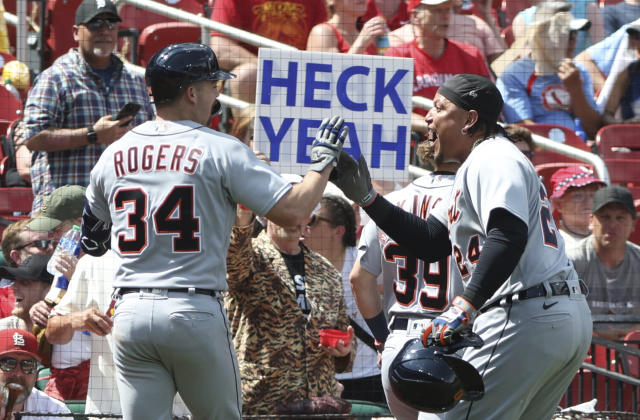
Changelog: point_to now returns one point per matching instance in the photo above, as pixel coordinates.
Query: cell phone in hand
(129, 109)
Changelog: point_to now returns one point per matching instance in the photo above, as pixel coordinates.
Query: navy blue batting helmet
(430, 380)
(177, 66)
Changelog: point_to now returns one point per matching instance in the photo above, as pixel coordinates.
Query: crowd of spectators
(570, 60)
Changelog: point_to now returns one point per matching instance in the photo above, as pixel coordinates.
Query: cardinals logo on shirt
(556, 98)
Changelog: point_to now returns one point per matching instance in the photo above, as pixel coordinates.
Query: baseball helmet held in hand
(177, 66)
(433, 379)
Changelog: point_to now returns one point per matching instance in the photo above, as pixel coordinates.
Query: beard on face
(101, 52)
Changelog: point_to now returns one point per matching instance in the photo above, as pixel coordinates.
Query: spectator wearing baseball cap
(69, 111)
(572, 191)
(608, 263)
(31, 281)
(19, 362)
(60, 211)
(436, 58)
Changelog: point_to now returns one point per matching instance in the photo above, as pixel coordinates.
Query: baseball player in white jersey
(165, 197)
(418, 295)
(521, 293)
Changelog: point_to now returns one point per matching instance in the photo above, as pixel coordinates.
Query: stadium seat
(605, 393)
(623, 171)
(15, 199)
(620, 141)
(58, 36)
(604, 3)
(10, 106)
(632, 339)
(154, 37)
(558, 133)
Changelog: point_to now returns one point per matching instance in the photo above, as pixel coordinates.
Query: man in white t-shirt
(19, 364)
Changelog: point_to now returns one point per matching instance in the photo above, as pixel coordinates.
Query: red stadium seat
(632, 339)
(606, 397)
(620, 141)
(132, 17)
(10, 106)
(15, 199)
(154, 37)
(624, 171)
(558, 133)
(604, 3)
(58, 33)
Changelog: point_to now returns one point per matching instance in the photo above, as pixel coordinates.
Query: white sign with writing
(296, 90)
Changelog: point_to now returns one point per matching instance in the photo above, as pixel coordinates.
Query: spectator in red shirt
(436, 58)
(288, 22)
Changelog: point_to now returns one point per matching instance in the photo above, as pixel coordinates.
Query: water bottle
(69, 245)
(382, 42)
(579, 130)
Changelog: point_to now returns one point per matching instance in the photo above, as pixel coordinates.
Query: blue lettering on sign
(305, 140)
(378, 145)
(389, 89)
(289, 82)
(341, 88)
(311, 84)
(276, 138)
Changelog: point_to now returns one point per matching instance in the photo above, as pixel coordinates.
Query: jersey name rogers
(156, 158)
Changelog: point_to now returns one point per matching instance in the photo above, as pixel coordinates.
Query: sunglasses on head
(42, 244)
(315, 219)
(97, 24)
(28, 366)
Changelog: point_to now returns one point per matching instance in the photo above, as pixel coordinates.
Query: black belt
(400, 323)
(558, 288)
(198, 291)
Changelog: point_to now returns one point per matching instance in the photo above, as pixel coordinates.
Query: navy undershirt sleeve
(506, 240)
(425, 239)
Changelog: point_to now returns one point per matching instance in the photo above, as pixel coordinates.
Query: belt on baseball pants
(402, 323)
(558, 288)
(187, 290)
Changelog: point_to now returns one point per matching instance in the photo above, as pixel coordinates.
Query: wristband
(378, 327)
(92, 136)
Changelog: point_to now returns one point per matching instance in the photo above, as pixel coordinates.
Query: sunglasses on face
(573, 35)
(28, 366)
(41, 244)
(97, 24)
(315, 219)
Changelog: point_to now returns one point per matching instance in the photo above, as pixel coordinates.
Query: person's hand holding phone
(110, 128)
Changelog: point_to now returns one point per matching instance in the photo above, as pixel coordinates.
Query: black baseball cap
(33, 267)
(614, 194)
(471, 91)
(89, 9)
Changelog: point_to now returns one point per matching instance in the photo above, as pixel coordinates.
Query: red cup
(330, 338)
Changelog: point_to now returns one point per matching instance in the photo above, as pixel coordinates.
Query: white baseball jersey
(480, 186)
(416, 291)
(170, 190)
